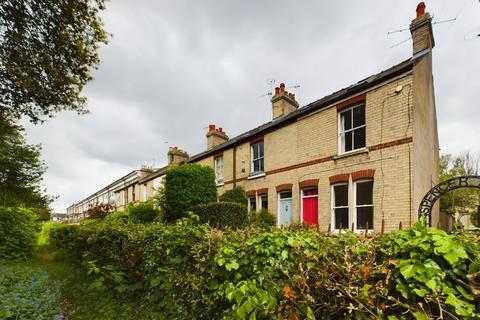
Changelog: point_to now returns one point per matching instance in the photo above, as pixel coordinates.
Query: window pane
(341, 218)
(341, 195)
(264, 200)
(348, 141)
(359, 137)
(364, 193)
(285, 195)
(252, 204)
(260, 149)
(311, 192)
(256, 165)
(260, 161)
(364, 216)
(255, 150)
(346, 119)
(359, 116)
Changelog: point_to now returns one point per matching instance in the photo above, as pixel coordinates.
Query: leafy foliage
(143, 212)
(18, 232)
(99, 211)
(236, 194)
(21, 169)
(26, 293)
(186, 186)
(262, 218)
(47, 49)
(223, 214)
(186, 269)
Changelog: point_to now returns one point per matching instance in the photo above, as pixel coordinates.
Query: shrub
(18, 233)
(237, 194)
(223, 214)
(117, 217)
(143, 212)
(262, 218)
(186, 186)
(99, 211)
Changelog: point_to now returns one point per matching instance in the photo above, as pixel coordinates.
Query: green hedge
(18, 233)
(262, 218)
(223, 214)
(237, 194)
(185, 187)
(188, 271)
(143, 212)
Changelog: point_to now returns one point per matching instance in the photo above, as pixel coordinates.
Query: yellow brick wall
(388, 118)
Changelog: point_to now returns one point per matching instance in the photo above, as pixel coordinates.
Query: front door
(285, 208)
(310, 206)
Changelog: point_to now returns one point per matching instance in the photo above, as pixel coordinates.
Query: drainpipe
(234, 165)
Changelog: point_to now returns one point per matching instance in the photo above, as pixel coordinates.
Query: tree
(466, 200)
(21, 169)
(236, 194)
(185, 187)
(47, 50)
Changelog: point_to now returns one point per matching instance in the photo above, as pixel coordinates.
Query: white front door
(284, 208)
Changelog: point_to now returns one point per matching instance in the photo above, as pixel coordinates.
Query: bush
(143, 212)
(262, 218)
(237, 194)
(223, 214)
(117, 217)
(186, 269)
(186, 186)
(18, 233)
(99, 211)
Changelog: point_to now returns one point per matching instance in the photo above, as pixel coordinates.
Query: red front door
(310, 206)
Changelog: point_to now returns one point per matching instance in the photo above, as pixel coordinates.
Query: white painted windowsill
(350, 153)
(259, 175)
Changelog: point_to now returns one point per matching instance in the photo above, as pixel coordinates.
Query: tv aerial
(271, 83)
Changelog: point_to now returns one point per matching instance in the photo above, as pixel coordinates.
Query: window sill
(256, 175)
(220, 184)
(350, 153)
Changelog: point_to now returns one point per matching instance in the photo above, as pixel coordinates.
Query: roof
(322, 103)
(154, 174)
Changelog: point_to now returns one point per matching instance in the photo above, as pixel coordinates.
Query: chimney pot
(282, 87)
(220, 129)
(211, 127)
(277, 90)
(420, 9)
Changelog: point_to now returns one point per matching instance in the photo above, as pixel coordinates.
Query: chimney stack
(421, 29)
(283, 102)
(176, 155)
(215, 136)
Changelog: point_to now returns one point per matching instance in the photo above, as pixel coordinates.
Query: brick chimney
(215, 136)
(421, 29)
(176, 155)
(283, 102)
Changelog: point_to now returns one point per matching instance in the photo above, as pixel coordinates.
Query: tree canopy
(47, 51)
(21, 169)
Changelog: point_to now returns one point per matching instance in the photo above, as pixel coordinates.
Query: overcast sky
(174, 67)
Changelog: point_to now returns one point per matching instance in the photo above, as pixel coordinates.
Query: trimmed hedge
(185, 187)
(143, 212)
(18, 233)
(223, 214)
(237, 194)
(187, 271)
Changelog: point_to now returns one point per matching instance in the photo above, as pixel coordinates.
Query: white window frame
(303, 196)
(332, 204)
(218, 177)
(252, 172)
(342, 132)
(355, 206)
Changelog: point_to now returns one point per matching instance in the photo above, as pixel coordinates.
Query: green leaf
(455, 254)
(420, 292)
(284, 254)
(419, 315)
(408, 271)
(233, 265)
(310, 315)
(464, 293)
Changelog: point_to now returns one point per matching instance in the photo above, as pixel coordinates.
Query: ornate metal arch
(440, 189)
